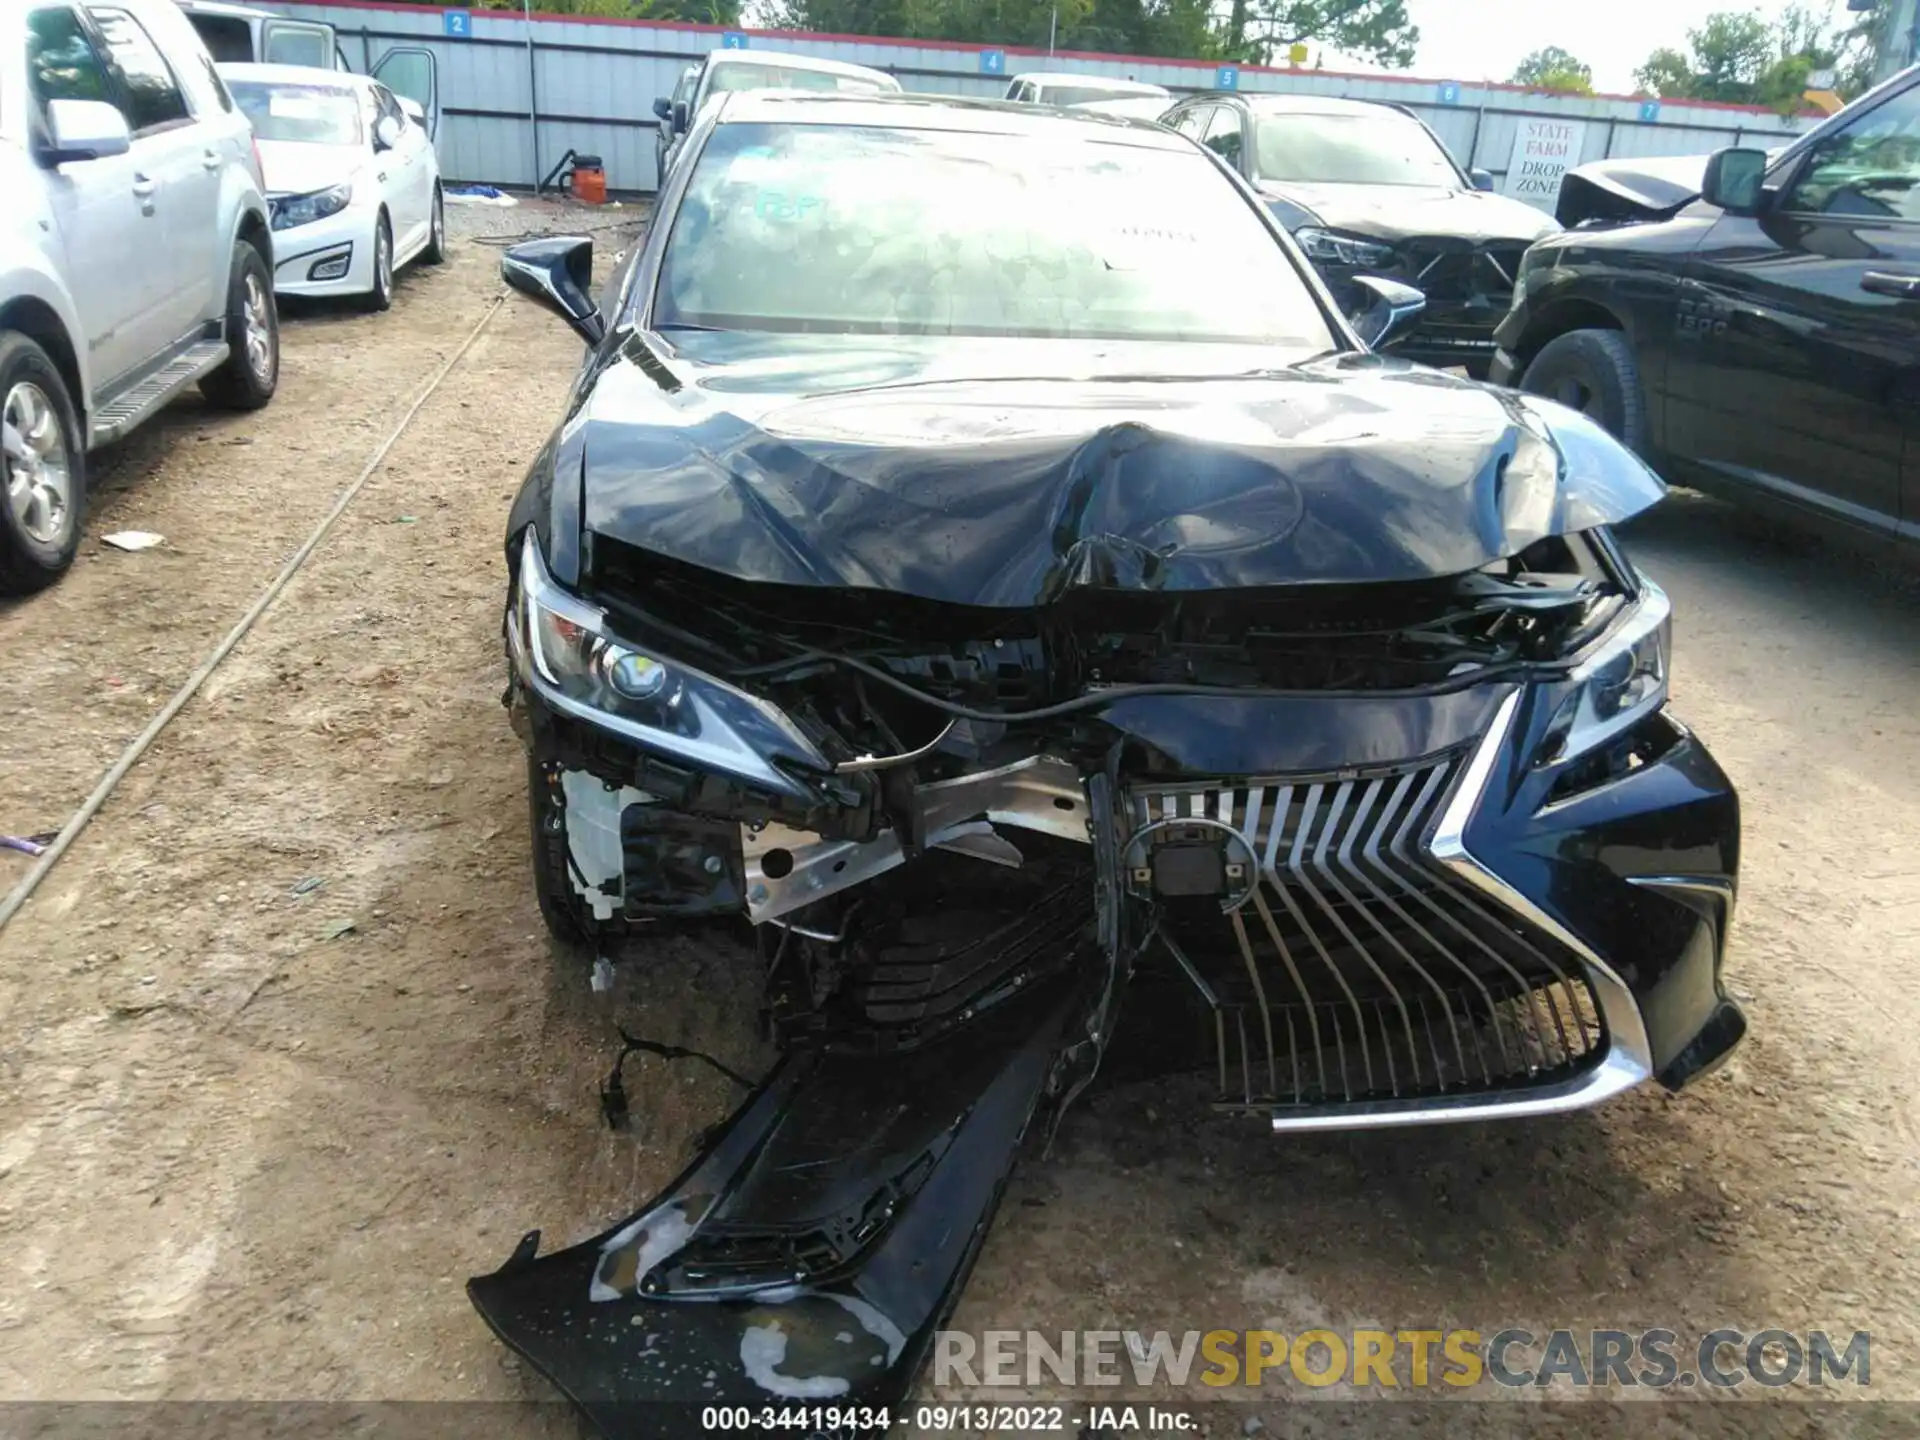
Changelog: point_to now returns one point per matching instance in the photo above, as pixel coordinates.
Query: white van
(1060, 87)
(242, 35)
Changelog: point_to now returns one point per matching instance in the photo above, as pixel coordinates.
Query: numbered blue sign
(1449, 92)
(1227, 77)
(457, 22)
(993, 62)
(733, 39)
(1650, 111)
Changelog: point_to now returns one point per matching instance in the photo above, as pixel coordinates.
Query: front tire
(252, 370)
(1594, 372)
(43, 469)
(436, 251)
(381, 296)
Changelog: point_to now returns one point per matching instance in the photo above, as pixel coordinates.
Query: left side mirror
(416, 112)
(559, 274)
(1394, 307)
(1482, 179)
(1734, 180)
(386, 133)
(84, 130)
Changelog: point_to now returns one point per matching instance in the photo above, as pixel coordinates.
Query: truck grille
(1356, 969)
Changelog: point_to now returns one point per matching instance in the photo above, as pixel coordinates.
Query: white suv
(136, 257)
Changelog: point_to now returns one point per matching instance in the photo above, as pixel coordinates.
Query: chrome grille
(1358, 969)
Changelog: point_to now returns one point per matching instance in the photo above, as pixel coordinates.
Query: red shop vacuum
(584, 177)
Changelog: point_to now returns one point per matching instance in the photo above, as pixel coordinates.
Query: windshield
(313, 114)
(858, 230)
(746, 75)
(1081, 94)
(1379, 149)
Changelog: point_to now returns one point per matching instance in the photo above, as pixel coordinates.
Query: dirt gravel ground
(242, 1160)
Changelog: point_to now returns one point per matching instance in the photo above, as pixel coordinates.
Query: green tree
(1667, 73)
(1738, 56)
(1555, 69)
(1379, 30)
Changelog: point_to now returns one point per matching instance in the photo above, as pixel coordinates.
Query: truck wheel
(252, 369)
(43, 469)
(1594, 372)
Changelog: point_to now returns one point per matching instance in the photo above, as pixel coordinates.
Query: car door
(401, 170)
(101, 213)
(1796, 363)
(296, 42)
(1225, 135)
(175, 168)
(663, 142)
(413, 72)
(1192, 121)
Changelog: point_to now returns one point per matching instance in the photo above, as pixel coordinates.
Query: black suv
(1367, 189)
(1755, 333)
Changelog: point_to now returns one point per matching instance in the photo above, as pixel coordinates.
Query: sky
(1485, 39)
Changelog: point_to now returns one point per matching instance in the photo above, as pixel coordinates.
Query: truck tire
(1594, 372)
(43, 469)
(252, 369)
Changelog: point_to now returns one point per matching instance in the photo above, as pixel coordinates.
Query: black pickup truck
(1751, 327)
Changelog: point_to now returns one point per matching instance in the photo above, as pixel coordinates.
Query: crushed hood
(1650, 188)
(940, 471)
(1399, 212)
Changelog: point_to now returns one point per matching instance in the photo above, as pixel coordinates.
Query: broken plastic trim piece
(809, 1254)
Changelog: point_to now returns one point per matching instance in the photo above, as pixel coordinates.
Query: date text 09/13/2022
(1038, 1419)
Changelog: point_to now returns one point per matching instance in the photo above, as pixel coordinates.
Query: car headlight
(565, 650)
(1620, 681)
(1338, 249)
(291, 210)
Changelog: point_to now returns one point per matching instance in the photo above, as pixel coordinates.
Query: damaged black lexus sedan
(978, 553)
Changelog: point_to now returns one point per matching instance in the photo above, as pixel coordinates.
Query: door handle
(210, 159)
(1880, 282)
(144, 187)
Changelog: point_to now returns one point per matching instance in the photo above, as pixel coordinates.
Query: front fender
(244, 210)
(29, 278)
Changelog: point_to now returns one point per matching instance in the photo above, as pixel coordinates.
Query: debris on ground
(477, 195)
(28, 844)
(336, 928)
(133, 539)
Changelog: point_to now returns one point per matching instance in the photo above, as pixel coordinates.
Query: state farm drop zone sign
(1543, 151)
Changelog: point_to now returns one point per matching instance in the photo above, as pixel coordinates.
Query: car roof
(936, 112)
(1312, 105)
(1133, 107)
(786, 60)
(292, 75)
(1075, 77)
(216, 7)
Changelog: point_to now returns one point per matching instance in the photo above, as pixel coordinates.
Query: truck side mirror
(1735, 180)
